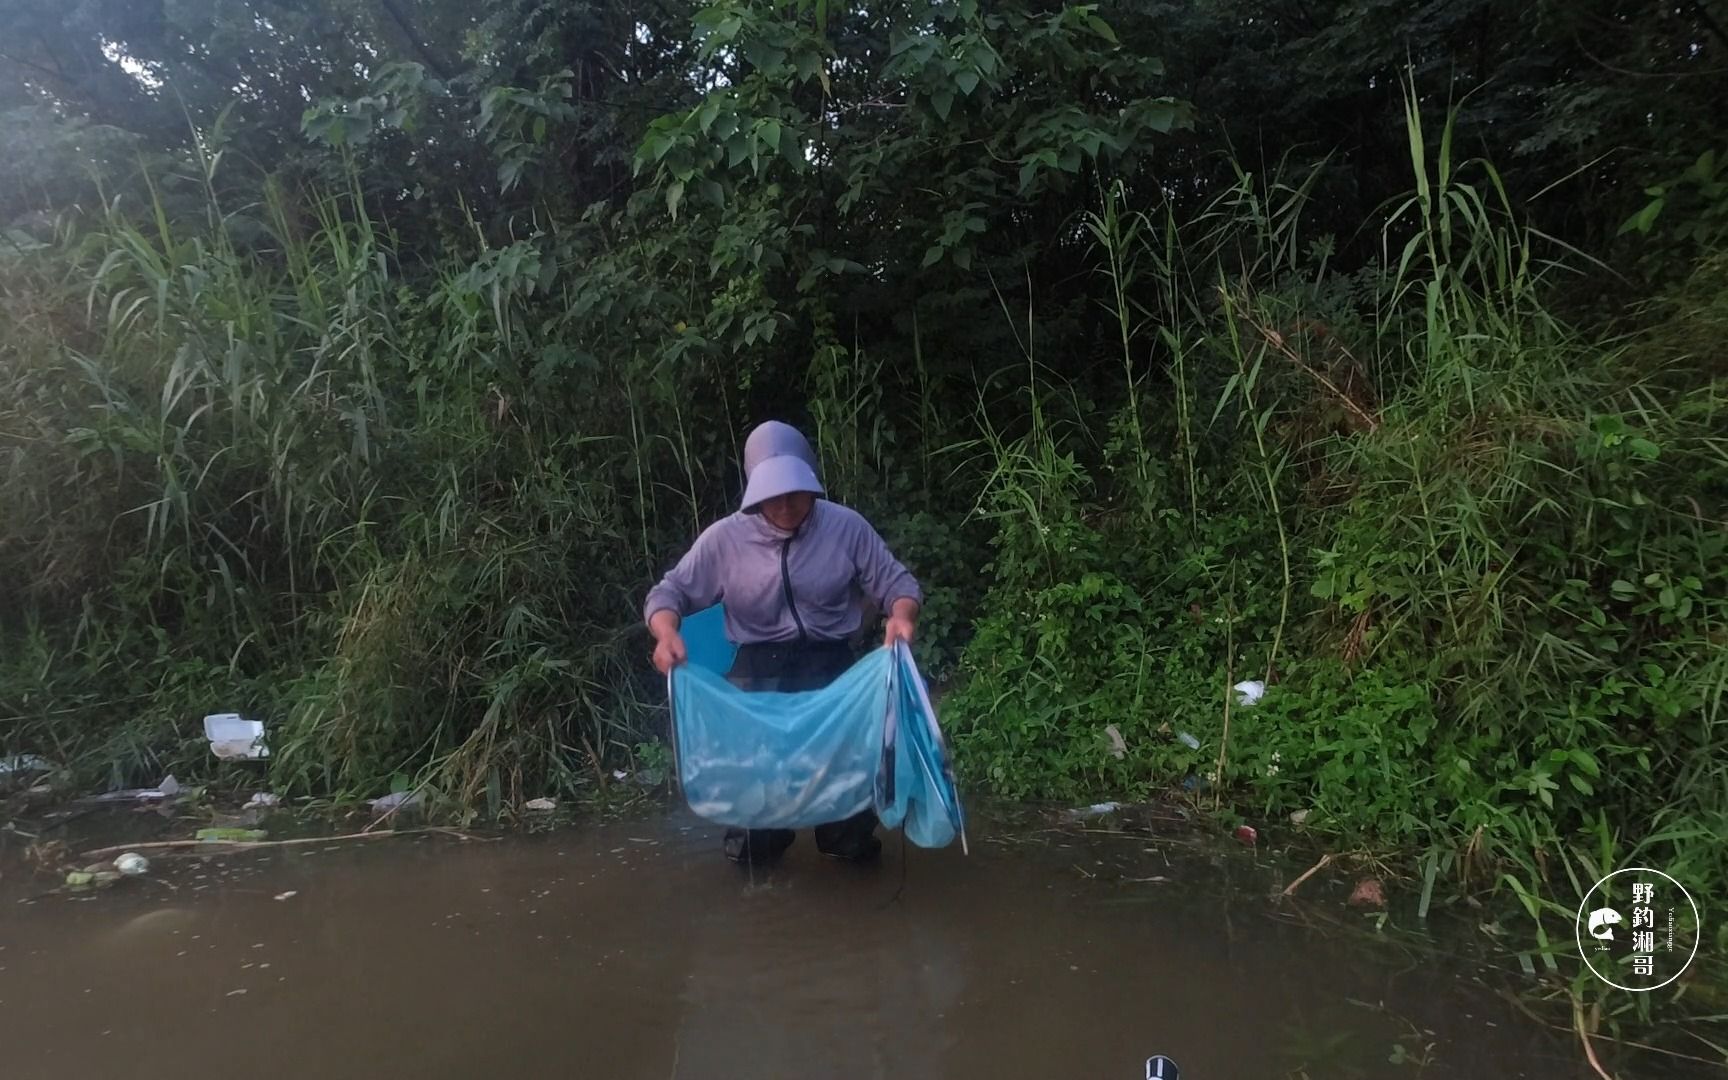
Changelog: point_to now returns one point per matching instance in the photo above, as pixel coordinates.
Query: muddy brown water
(633, 950)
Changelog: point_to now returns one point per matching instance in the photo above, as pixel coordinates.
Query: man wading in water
(790, 567)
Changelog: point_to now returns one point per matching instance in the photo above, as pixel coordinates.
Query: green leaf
(942, 101)
(674, 196)
(967, 81)
(1622, 589)
(1230, 385)
(932, 255)
(1644, 449)
(1028, 173)
(764, 56)
(1102, 29)
(1160, 116)
(770, 132)
(738, 148)
(1643, 220)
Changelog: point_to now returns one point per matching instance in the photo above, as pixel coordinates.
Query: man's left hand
(899, 628)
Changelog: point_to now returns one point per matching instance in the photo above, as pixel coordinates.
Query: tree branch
(21, 62)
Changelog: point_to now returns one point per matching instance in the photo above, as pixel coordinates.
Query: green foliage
(365, 385)
(1476, 552)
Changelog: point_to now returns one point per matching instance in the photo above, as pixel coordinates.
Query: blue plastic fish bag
(765, 760)
(705, 640)
(917, 792)
(779, 760)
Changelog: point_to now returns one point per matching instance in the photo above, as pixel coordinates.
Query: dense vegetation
(363, 362)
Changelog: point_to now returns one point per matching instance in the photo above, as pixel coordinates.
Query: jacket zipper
(786, 586)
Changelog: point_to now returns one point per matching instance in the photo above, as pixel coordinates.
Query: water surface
(633, 950)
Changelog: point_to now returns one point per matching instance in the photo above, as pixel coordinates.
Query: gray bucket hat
(781, 474)
(771, 439)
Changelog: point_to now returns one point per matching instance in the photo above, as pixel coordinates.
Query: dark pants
(788, 667)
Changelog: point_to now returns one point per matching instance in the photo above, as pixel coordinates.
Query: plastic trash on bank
(234, 738)
(167, 789)
(396, 801)
(132, 864)
(1081, 813)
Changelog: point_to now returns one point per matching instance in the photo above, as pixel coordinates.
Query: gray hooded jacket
(781, 586)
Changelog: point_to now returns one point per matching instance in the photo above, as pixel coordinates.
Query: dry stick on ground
(1229, 679)
(224, 847)
(1325, 861)
(599, 770)
(1584, 1037)
(1276, 340)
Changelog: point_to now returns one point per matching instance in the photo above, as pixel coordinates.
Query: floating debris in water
(132, 864)
(1368, 893)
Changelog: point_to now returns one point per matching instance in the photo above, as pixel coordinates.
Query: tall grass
(305, 487)
(1477, 552)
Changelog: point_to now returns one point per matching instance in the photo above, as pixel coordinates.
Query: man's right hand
(669, 652)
